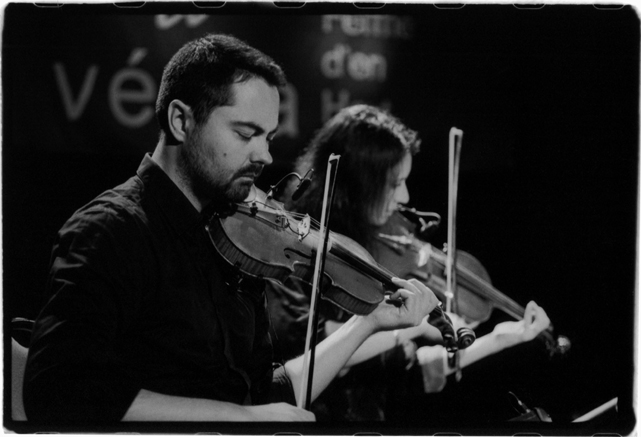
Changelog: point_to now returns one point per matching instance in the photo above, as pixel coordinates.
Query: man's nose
(261, 152)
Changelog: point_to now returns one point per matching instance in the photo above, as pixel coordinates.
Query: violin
(407, 256)
(262, 240)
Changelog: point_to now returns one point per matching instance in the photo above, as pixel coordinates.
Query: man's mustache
(252, 170)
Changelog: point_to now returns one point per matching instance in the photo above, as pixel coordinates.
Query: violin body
(408, 257)
(260, 239)
(269, 243)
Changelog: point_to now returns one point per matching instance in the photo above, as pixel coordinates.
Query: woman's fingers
(417, 295)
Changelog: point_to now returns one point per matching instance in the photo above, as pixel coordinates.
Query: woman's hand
(417, 302)
(535, 320)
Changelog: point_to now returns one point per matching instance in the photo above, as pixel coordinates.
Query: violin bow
(451, 302)
(456, 137)
(305, 394)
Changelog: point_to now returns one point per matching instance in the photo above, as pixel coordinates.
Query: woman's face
(395, 192)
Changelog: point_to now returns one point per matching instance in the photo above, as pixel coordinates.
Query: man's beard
(194, 163)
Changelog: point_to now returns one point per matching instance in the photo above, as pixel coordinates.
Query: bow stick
(456, 137)
(451, 301)
(319, 266)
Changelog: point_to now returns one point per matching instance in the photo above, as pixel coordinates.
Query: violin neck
(369, 267)
(485, 289)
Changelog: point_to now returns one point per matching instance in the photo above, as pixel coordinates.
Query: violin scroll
(558, 346)
(466, 337)
(463, 338)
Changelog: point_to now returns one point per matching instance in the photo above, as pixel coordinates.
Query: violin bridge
(401, 240)
(303, 227)
(281, 219)
(424, 254)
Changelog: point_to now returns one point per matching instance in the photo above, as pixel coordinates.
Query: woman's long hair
(370, 142)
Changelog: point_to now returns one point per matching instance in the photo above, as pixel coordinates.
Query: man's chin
(240, 191)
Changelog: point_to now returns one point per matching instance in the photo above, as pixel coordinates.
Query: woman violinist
(376, 152)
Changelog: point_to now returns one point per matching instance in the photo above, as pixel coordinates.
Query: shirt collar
(182, 215)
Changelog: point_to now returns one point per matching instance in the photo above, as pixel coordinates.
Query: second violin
(408, 256)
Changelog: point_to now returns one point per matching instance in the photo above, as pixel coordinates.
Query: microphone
(424, 229)
(303, 185)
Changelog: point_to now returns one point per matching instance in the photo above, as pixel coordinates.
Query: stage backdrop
(547, 99)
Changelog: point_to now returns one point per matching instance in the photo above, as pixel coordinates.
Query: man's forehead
(254, 102)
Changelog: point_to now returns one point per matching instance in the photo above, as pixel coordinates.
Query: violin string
(386, 274)
(383, 273)
(374, 269)
(471, 277)
(488, 290)
(347, 254)
(315, 224)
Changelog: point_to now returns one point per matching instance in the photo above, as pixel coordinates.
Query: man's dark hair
(370, 142)
(202, 72)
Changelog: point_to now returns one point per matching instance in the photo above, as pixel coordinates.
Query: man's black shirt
(139, 300)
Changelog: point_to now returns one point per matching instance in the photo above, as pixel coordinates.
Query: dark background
(547, 201)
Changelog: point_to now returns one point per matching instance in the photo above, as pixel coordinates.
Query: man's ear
(180, 120)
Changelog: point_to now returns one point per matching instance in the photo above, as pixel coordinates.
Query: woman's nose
(402, 194)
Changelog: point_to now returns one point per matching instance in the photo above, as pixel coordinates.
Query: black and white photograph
(319, 218)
